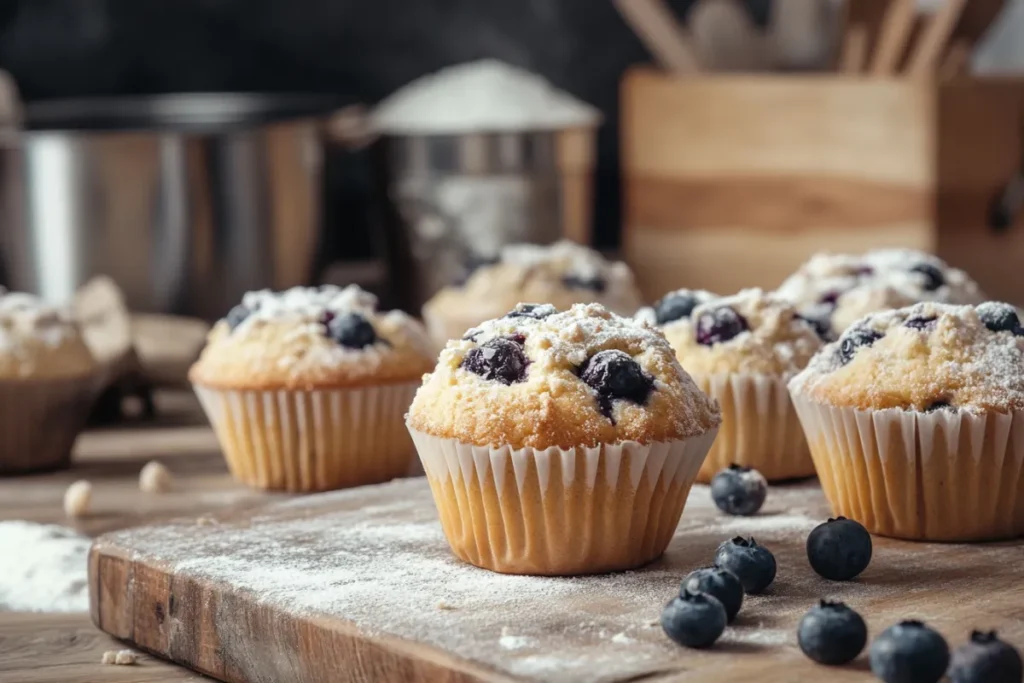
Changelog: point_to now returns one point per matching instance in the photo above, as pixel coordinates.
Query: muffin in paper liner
(303, 441)
(759, 428)
(555, 511)
(40, 420)
(925, 476)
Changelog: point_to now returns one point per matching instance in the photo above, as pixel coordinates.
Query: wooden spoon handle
(659, 31)
(896, 29)
(929, 49)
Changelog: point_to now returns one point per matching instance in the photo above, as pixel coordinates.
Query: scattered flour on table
(42, 568)
(486, 95)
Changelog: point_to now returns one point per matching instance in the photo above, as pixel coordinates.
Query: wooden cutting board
(359, 586)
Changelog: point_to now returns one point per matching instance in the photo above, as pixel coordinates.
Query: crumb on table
(77, 498)
(155, 478)
(120, 657)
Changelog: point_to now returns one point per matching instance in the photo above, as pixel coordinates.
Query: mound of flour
(42, 568)
(483, 96)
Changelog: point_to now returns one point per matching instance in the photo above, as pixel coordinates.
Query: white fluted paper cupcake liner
(759, 428)
(560, 511)
(938, 476)
(40, 420)
(312, 440)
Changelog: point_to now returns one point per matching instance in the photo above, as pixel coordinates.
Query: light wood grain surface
(67, 648)
(733, 181)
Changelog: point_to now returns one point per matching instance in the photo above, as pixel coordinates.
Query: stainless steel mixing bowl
(186, 201)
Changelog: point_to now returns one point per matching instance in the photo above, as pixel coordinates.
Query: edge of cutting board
(175, 618)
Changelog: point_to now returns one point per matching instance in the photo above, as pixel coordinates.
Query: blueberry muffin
(48, 380)
(915, 421)
(307, 388)
(742, 350)
(834, 290)
(562, 274)
(560, 443)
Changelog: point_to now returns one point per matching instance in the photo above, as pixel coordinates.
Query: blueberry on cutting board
(832, 633)
(986, 659)
(694, 619)
(909, 652)
(718, 583)
(839, 549)
(753, 564)
(739, 490)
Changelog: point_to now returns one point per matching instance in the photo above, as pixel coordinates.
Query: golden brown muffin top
(750, 332)
(925, 357)
(837, 289)
(539, 378)
(562, 274)
(312, 338)
(40, 341)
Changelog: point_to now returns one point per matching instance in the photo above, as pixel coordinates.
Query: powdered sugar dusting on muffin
(837, 289)
(294, 339)
(562, 274)
(750, 332)
(929, 356)
(306, 302)
(521, 380)
(39, 340)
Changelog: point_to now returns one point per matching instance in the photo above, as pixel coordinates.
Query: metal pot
(452, 201)
(186, 201)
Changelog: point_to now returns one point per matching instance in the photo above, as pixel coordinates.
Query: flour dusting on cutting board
(42, 568)
(376, 556)
(387, 567)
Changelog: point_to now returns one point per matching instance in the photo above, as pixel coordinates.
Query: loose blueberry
(855, 339)
(719, 325)
(500, 360)
(535, 311)
(675, 306)
(933, 278)
(237, 315)
(839, 549)
(920, 322)
(739, 490)
(694, 619)
(1000, 317)
(592, 283)
(615, 375)
(864, 271)
(909, 652)
(720, 583)
(832, 633)
(986, 659)
(753, 564)
(351, 330)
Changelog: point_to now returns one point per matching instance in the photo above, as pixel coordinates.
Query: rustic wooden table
(67, 648)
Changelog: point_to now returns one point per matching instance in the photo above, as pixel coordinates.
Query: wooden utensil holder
(733, 181)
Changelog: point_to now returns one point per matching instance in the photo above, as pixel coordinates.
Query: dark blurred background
(361, 51)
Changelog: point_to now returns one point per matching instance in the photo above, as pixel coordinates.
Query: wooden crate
(733, 181)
